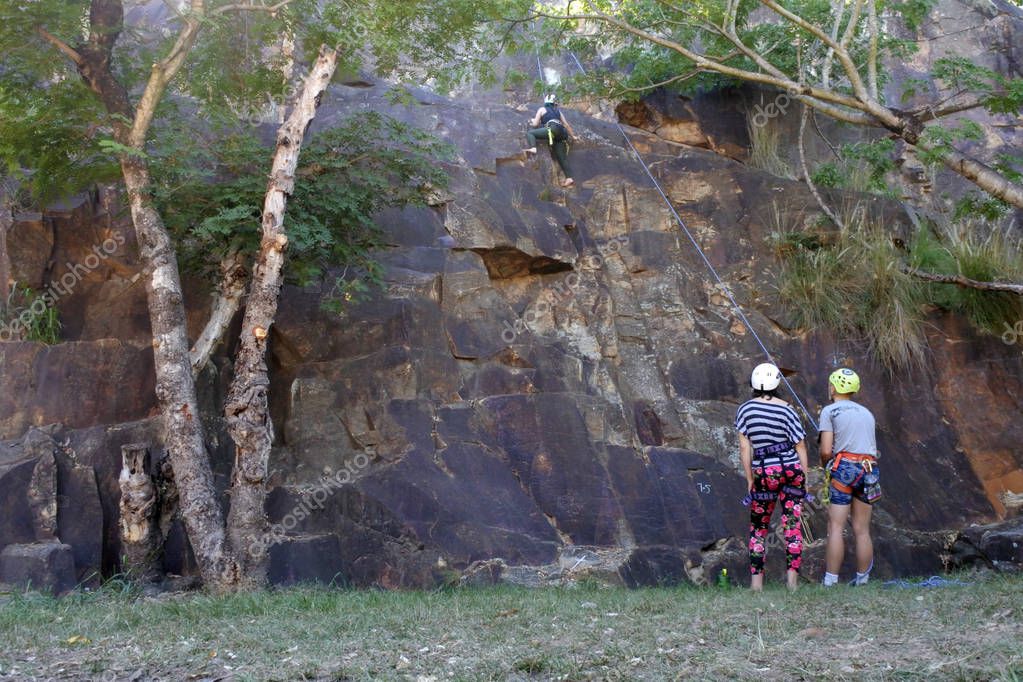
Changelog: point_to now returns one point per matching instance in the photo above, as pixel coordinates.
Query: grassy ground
(961, 633)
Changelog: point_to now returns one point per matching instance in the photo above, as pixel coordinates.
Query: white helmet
(766, 377)
(550, 98)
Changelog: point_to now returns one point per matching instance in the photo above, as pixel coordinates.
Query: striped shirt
(767, 424)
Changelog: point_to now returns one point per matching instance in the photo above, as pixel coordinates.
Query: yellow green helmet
(845, 380)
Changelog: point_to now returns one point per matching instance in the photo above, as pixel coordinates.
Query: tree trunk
(140, 538)
(6, 223)
(175, 386)
(247, 408)
(988, 179)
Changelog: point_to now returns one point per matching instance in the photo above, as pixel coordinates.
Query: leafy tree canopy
(211, 194)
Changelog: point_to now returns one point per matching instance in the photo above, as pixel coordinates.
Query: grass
(765, 146)
(508, 633)
(853, 284)
(980, 251)
(855, 287)
(26, 320)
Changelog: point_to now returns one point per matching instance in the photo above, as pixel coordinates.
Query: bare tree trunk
(140, 537)
(247, 408)
(234, 277)
(984, 177)
(6, 223)
(175, 386)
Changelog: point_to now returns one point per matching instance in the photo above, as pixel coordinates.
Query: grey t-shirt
(853, 426)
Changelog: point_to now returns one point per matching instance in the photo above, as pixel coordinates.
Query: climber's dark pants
(559, 150)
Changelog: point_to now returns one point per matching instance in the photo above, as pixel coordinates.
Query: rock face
(45, 566)
(546, 370)
(546, 382)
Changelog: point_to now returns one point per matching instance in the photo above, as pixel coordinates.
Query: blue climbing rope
(933, 581)
(685, 229)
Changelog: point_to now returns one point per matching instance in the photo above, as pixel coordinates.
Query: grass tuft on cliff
(504, 633)
(854, 283)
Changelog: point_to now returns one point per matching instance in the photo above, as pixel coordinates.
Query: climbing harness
(870, 478)
(685, 229)
(761, 453)
(768, 495)
(556, 133)
(551, 120)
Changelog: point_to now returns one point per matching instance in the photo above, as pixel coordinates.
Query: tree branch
(653, 86)
(234, 278)
(708, 63)
(162, 73)
(246, 7)
(820, 133)
(843, 55)
(806, 171)
(874, 29)
(929, 113)
(839, 10)
(964, 282)
(758, 58)
(982, 175)
(850, 28)
(69, 51)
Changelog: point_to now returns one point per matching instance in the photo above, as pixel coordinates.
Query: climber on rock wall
(848, 449)
(550, 126)
(772, 448)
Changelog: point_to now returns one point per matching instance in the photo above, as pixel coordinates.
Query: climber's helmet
(765, 377)
(845, 381)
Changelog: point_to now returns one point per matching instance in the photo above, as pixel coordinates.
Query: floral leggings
(772, 479)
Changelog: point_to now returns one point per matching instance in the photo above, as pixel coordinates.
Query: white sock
(830, 579)
(864, 578)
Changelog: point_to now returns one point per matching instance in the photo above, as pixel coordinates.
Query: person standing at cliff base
(848, 450)
(550, 126)
(772, 449)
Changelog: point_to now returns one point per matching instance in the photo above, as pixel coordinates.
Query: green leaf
(115, 148)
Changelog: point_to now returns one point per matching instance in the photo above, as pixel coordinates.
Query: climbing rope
(933, 581)
(713, 271)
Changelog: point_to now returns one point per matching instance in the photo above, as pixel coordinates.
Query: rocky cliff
(544, 386)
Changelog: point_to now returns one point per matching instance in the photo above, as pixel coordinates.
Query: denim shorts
(866, 485)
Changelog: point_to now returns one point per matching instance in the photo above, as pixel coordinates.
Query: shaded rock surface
(44, 566)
